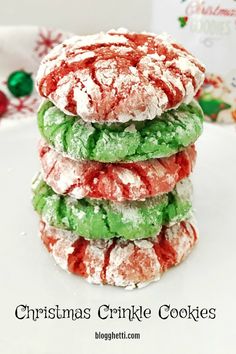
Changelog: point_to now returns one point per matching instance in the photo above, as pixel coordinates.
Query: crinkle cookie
(118, 262)
(117, 181)
(119, 76)
(95, 219)
(132, 141)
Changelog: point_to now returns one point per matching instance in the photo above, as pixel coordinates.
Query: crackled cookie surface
(132, 141)
(118, 76)
(118, 262)
(96, 219)
(117, 181)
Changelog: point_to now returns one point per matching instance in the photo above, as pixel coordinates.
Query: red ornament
(3, 103)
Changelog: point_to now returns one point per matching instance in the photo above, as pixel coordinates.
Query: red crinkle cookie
(119, 76)
(117, 262)
(115, 181)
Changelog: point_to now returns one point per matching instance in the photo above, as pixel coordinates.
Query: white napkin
(22, 48)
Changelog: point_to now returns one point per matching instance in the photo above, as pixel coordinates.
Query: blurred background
(78, 16)
(206, 28)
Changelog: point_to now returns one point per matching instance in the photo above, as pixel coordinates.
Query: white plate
(205, 279)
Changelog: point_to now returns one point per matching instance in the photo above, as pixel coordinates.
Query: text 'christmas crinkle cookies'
(118, 124)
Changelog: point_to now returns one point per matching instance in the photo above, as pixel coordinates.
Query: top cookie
(119, 76)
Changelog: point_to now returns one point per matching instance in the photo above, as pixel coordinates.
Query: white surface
(206, 279)
(78, 16)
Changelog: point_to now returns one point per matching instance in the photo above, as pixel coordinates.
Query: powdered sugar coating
(119, 76)
(118, 182)
(121, 263)
(120, 142)
(97, 218)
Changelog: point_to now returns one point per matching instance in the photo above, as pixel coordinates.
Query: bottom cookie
(118, 262)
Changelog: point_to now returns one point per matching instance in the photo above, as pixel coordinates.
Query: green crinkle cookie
(101, 219)
(132, 141)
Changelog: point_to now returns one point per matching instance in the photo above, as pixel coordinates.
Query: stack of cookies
(118, 127)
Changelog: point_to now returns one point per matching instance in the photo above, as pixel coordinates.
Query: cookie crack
(106, 220)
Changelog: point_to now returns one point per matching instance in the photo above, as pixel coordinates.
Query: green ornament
(20, 83)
